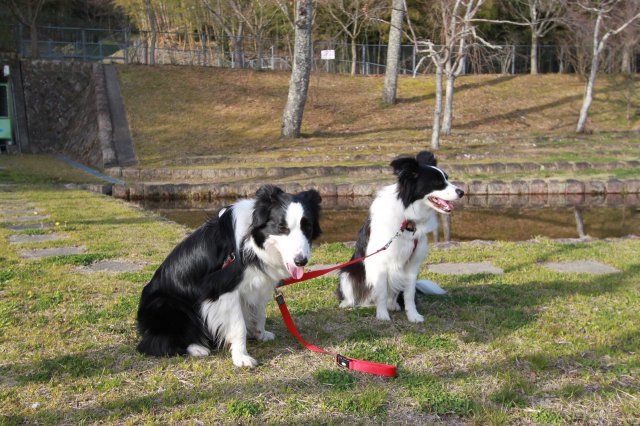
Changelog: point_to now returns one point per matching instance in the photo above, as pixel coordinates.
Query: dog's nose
(460, 192)
(300, 260)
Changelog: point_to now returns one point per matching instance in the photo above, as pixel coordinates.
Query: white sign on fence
(327, 54)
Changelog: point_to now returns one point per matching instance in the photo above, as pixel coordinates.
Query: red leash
(369, 367)
(350, 363)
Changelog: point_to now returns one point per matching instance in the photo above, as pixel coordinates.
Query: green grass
(530, 346)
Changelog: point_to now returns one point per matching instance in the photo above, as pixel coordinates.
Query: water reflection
(511, 218)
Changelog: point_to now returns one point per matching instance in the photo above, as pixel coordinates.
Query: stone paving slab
(48, 252)
(24, 218)
(465, 268)
(25, 239)
(112, 266)
(17, 211)
(581, 266)
(29, 227)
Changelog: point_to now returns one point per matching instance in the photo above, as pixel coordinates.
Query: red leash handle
(369, 367)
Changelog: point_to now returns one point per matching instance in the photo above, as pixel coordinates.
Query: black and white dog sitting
(410, 205)
(213, 288)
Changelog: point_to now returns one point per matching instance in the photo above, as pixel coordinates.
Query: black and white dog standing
(213, 288)
(410, 205)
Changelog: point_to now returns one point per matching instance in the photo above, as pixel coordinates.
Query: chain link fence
(140, 47)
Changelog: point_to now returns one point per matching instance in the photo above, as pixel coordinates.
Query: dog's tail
(429, 287)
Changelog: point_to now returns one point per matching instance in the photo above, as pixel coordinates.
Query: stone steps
(211, 191)
(209, 174)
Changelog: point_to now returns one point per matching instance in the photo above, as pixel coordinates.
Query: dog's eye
(283, 229)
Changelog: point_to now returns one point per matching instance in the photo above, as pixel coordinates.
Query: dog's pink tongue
(295, 271)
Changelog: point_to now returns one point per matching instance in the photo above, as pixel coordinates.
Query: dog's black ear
(425, 158)
(405, 166)
(268, 197)
(312, 199)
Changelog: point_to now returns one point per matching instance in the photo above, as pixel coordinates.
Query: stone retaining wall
(68, 111)
(208, 174)
(519, 187)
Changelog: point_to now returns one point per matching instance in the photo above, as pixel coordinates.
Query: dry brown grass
(182, 112)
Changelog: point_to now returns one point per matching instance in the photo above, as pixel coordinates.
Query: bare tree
(457, 29)
(256, 16)
(539, 16)
(26, 12)
(153, 27)
(301, 70)
(232, 27)
(600, 13)
(393, 52)
(352, 16)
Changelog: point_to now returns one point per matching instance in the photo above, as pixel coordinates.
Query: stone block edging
(571, 187)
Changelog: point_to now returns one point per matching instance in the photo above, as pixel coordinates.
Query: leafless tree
(153, 27)
(601, 15)
(26, 12)
(540, 16)
(301, 70)
(352, 16)
(398, 10)
(448, 57)
(232, 27)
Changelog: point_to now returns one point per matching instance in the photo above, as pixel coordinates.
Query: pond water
(508, 218)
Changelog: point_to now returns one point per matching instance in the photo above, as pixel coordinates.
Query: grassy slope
(182, 112)
(528, 347)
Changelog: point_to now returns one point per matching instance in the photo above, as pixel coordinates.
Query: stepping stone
(24, 218)
(17, 211)
(48, 252)
(581, 266)
(22, 239)
(112, 266)
(465, 268)
(29, 227)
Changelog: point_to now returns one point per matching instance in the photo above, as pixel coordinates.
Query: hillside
(209, 116)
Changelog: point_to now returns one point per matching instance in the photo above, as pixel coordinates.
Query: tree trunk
(534, 53)
(627, 50)
(238, 55)
(151, 16)
(448, 100)
(437, 112)
(588, 93)
(299, 83)
(354, 56)
(393, 53)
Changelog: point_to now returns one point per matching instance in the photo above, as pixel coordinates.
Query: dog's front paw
(195, 349)
(265, 335)
(414, 317)
(383, 315)
(243, 360)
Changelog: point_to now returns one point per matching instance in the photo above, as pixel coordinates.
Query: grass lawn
(530, 346)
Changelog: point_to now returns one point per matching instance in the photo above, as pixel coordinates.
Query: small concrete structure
(465, 268)
(112, 266)
(29, 227)
(49, 252)
(33, 218)
(581, 266)
(26, 239)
